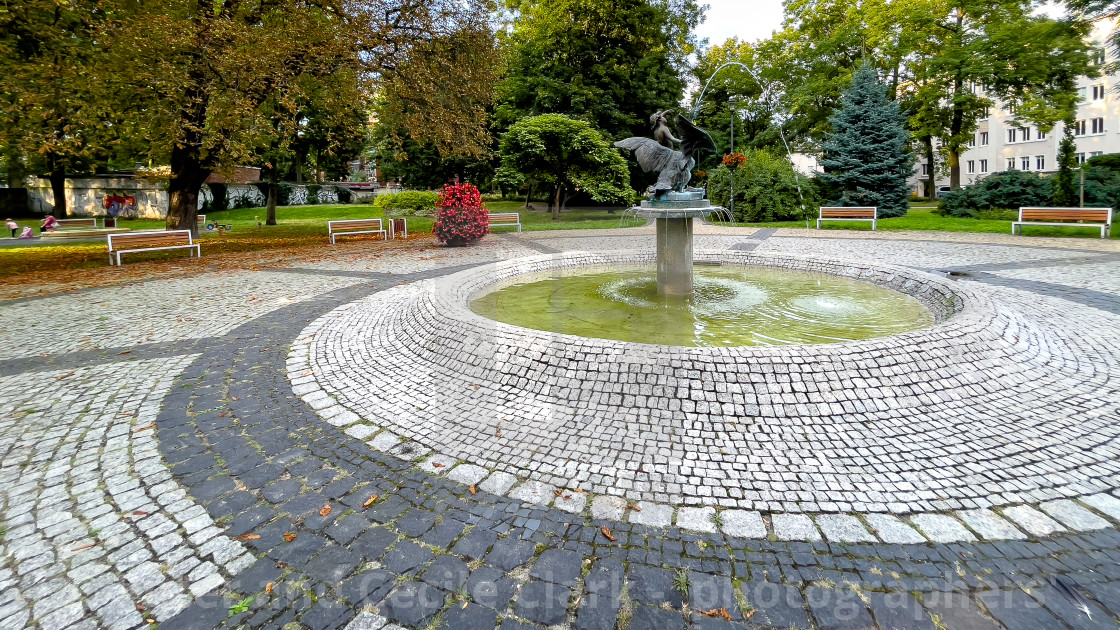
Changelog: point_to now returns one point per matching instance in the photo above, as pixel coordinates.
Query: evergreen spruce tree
(1065, 191)
(867, 158)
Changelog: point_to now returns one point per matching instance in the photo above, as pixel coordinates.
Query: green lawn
(301, 220)
(921, 218)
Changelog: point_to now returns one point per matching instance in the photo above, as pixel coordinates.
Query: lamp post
(731, 103)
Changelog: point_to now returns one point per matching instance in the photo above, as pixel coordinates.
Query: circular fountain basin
(732, 305)
(923, 420)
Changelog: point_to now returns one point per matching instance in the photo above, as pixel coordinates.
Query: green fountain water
(730, 306)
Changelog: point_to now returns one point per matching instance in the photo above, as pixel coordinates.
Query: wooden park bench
(849, 214)
(1064, 217)
(202, 220)
(90, 222)
(129, 242)
(355, 226)
(504, 218)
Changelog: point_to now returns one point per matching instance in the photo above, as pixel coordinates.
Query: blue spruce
(867, 158)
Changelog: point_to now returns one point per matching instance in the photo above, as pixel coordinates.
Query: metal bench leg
(818, 224)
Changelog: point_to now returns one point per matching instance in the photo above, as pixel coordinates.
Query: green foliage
(1102, 186)
(422, 166)
(408, 203)
(242, 606)
(866, 157)
(568, 156)
(1109, 161)
(343, 194)
(313, 193)
(1065, 190)
(610, 62)
(766, 189)
(1004, 190)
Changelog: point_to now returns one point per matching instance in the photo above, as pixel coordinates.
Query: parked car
(943, 190)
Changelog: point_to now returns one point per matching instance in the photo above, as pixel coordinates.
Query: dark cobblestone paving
(423, 552)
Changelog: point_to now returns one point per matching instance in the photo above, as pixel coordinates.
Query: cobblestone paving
(242, 471)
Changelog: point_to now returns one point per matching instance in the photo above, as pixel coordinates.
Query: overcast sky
(750, 20)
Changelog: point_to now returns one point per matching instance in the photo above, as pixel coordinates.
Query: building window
(983, 138)
(1040, 162)
(1097, 57)
(1010, 164)
(1098, 92)
(1042, 135)
(1098, 125)
(986, 113)
(1011, 108)
(1025, 163)
(925, 169)
(1081, 93)
(1080, 158)
(971, 166)
(1093, 154)
(1011, 135)
(972, 141)
(1079, 128)
(1025, 133)
(983, 166)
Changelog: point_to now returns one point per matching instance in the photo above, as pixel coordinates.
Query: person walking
(13, 226)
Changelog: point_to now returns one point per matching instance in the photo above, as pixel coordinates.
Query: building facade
(999, 145)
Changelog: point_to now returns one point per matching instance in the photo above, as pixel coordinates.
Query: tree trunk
(556, 202)
(931, 182)
(58, 187)
(528, 195)
(272, 186)
(187, 176)
(299, 168)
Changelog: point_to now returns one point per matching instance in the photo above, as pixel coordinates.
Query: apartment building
(998, 145)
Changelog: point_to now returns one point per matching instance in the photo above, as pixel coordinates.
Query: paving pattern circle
(988, 408)
(189, 471)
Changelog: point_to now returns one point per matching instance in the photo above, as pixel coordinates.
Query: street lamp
(731, 103)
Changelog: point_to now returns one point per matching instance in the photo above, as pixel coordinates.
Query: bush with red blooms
(461, 217)
(734, 160)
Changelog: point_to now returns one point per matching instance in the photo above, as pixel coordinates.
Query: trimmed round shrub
(408, 203)
(1004, 190)
(766, 188)
(462, 217)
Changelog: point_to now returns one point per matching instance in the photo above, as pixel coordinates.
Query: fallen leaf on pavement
(147, 426)
(716, 612)
(83, 547)
(268, 587)
(464, 606)
(473, 491)
(634, 507)
(248, 537)
(326, 510)
(748, 615)
(607, 533)
(370, 500)
(437, 465)
(289, 536)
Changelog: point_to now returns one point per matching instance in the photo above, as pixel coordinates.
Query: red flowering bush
(461, 217)
(734, 160)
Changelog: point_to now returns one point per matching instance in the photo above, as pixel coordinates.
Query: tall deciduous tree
(199, 72)
(867, 157)
(51, 116)
(609, 62)
(568, 156)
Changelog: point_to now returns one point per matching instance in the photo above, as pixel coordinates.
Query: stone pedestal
(674, 240)
(674, 256)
